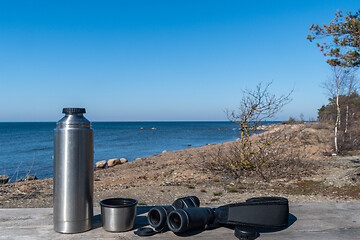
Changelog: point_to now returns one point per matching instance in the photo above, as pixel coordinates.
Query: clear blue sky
(158, 60)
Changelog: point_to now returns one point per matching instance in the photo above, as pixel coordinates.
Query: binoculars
(185, 214)
(158, 216)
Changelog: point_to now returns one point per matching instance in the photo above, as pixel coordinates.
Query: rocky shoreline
(162, 178)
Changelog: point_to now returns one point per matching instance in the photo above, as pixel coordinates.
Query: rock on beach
(116, 161)
(113, 162)
(100, 164)
(123, 160)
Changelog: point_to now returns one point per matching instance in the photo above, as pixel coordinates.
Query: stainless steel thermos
(73, 172)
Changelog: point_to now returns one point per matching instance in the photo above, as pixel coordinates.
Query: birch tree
(335, 87)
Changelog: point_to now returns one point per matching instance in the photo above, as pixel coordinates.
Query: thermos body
(73, 172)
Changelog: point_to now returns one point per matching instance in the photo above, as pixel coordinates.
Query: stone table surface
(307, 221)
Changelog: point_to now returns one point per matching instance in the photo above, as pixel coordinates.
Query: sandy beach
(162, 178)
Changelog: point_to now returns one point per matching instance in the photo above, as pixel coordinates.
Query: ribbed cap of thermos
(73, 110)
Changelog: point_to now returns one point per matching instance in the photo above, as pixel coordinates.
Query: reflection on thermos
(73, 172)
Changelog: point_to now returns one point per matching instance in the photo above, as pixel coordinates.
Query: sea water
(27, 148)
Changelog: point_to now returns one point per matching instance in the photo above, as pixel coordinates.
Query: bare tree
(256, 107)
(265, 155)
(336, 86)
(302, 117)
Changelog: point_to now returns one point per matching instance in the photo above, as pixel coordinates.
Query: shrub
(290, 121)
(265, 156)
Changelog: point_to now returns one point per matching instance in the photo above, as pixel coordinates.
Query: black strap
(268, 212)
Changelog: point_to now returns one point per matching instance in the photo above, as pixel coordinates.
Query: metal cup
(118, 214)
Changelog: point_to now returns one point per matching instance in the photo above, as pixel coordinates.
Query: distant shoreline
(262, 129)
(20, 143)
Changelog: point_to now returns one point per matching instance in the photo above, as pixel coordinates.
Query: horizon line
(110, 121)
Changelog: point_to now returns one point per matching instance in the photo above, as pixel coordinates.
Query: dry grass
(310, 187)
(269, 156)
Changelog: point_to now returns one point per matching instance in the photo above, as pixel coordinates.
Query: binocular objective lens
(175, 220)
(155, 217)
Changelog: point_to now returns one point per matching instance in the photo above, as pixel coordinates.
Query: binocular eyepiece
(182, 220)
(157, 216)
